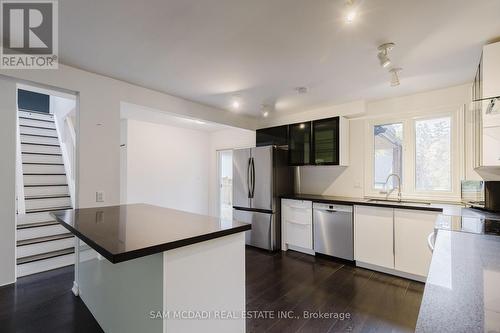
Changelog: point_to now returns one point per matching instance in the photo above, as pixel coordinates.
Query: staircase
(42, 244)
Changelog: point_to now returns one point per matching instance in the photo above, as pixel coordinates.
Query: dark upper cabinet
(318, 142)
(326, 141)
(277, 136)
(299, 144)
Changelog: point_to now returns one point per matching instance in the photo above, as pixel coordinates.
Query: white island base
(195, 288)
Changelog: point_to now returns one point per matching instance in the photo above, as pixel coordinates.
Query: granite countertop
(405, 204)
(462, 292)
(121, 233)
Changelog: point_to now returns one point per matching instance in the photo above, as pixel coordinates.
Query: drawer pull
(298, 223)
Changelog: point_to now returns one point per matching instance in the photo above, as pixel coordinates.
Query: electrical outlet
(99, 196)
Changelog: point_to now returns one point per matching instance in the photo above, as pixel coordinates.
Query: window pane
(388, 153)
(433, 154)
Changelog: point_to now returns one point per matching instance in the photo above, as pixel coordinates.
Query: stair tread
(30, 118)
(36, 225)
(40, 135)
(44, 185)
(35, 163)
(51, 209)
(31, 126)
(43, 174)
(48, 196)
(30, 153)
(40, 144)
(43, 239)
(47, 255)
(37, 112)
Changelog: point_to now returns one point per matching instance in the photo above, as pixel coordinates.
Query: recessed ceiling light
(383, 54)
(350, 12)
(200, 122)
(236, 102)
(395, 76)
(301, 90)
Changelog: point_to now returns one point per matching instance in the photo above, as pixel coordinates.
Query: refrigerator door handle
(249, 176)
(253, 177)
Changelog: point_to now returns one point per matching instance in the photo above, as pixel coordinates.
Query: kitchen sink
(402, 202)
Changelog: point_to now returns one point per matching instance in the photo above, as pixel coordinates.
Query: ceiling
(141, 113)
(208, 50)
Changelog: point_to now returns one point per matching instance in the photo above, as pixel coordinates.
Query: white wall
(99, 122)
(349, 181)
(98, 134)
(167, 166)
(224, 139)
(8, 117)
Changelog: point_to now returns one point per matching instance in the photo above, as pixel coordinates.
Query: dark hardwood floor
(304, 284)
(291, 282)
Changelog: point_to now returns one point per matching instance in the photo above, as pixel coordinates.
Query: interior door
(262, 226)
(262, 178)
(241, 174)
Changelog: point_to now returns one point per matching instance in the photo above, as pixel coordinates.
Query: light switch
(99, 196)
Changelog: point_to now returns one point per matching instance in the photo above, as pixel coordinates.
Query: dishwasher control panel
(332, 207)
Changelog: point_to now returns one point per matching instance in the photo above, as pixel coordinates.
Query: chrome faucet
(388, 193)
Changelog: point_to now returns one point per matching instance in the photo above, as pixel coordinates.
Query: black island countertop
(126, 232)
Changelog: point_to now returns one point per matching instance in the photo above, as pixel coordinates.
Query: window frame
(408, 185)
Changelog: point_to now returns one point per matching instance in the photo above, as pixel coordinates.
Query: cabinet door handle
(430, 241)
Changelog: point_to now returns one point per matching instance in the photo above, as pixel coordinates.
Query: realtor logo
(29, 34)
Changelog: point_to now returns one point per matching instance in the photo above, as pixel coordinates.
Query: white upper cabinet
(411, 230)
(374, 236)
(485, 89)
(491, 70)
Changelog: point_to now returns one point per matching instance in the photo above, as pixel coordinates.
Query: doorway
(225, 183)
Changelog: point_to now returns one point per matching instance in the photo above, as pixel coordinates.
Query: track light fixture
(395, 76)
(383, 54)
(265, 110)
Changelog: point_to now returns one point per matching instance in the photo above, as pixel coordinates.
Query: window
(388, 153)
(433, 154)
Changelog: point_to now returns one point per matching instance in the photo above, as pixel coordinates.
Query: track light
(265, 110)
(493, 106)
(395, 76)
(383, 54)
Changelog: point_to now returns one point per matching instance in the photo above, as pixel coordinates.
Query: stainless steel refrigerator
(260, 176)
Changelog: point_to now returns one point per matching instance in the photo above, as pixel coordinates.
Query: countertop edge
(361, 203)
(138, 253)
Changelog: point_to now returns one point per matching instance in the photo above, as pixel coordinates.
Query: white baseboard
(300, 249)
(391, 271)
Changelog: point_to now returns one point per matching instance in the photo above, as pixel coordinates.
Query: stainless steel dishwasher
(333, 230)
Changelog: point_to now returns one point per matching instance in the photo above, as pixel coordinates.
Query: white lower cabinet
(374, 235)
(411, 229)
(395, 240)
(296, 223)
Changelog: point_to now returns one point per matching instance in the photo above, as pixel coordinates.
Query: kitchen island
(159, 270)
